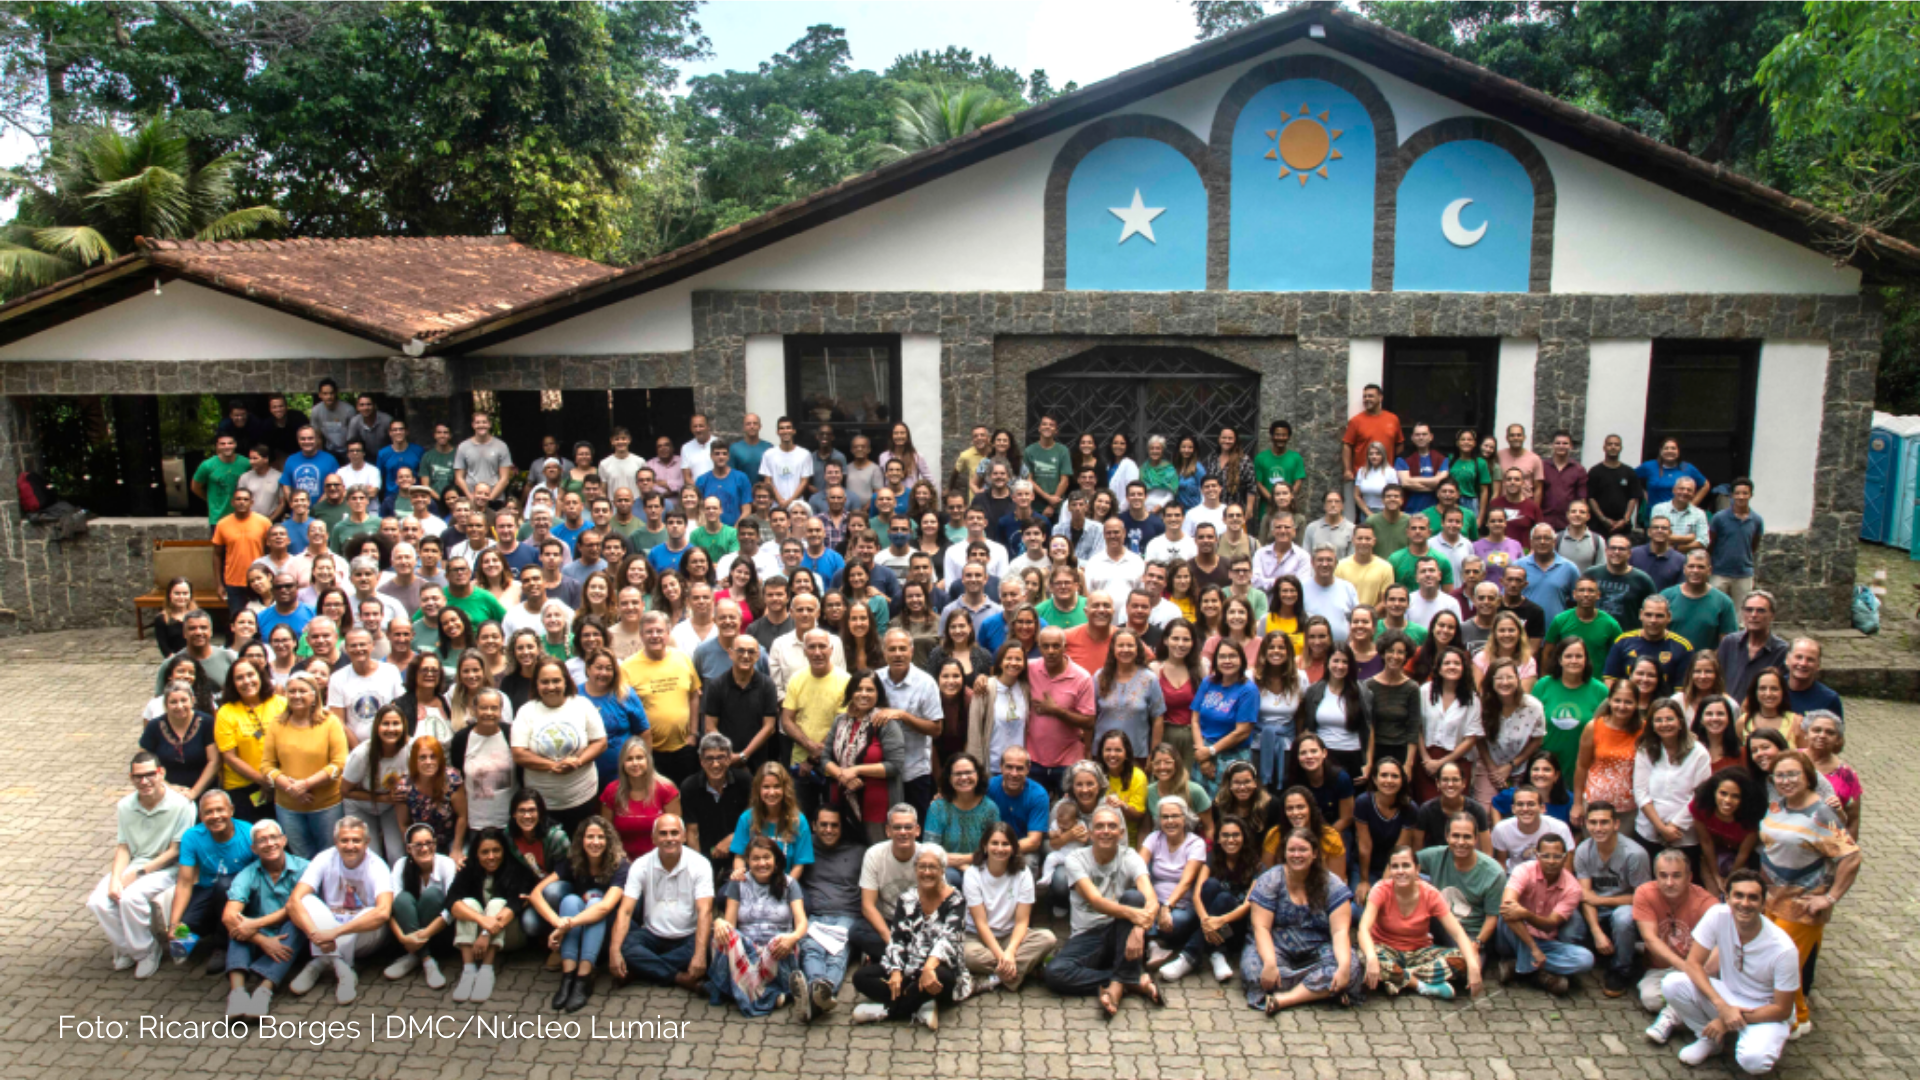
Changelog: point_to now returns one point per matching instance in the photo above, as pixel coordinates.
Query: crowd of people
(755, 719)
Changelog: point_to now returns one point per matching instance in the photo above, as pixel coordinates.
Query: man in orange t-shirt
(238, 540)
(1371, 424)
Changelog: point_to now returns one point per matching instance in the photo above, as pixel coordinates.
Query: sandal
(1273, 1005)
(1150, 990)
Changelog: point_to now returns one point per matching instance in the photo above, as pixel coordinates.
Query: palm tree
(925, 116)
(109, 188)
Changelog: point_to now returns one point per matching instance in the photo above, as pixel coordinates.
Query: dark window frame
(1670, 350)
(1484, 352)
(796, 345)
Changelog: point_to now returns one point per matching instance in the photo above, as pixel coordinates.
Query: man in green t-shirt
(1049, 466)
(217, 476)
(1406, 561)
(1281, 463)
(478, 605)
(1623, 586)
(436, 465)
(1701, 613)
(652, 531)
(1469, 879)
(1585, 620)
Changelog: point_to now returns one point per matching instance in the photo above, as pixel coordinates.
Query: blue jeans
(1218, 899)
(1093, 958)
(1561, 958)
(656, 959)
(817, 963)
(309, 832)
(243, 956)
(1048, 777)
(532, 924)
(1186, 931)
(582, 942)
(1619, 925)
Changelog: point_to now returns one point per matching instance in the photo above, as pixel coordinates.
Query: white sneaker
(435, 978)
(1157, 955)
(121, 961)
(986, 984)
(402, 967)
(1699, 1051)
(482, 984)
(1663, 1027)
(239, 1003)
(262, 1003)
(349, 983)
(1799, 1030)
(928, 1015)
(1222, 967)
(1176, 968)
(309, 976)
(869, 1013)
(148, 964)
(464, 990)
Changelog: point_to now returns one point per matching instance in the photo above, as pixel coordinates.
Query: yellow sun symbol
(1303, 144)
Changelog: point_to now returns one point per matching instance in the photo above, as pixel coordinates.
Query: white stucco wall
(188, 322)
(660, 321)
(1366, 363)
(1513, 391)
(1786, 431)
(1617, 371)
(920, 396)
(767, 380)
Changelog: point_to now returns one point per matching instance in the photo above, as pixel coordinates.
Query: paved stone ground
(68, 721)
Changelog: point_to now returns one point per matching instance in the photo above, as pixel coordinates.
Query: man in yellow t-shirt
(815, 697)
(1368, 574)
(669, 688)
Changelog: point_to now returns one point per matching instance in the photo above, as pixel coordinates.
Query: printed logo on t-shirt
(305, 476)
(555, 739)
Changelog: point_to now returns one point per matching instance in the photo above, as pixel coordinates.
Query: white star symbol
(1137, 218)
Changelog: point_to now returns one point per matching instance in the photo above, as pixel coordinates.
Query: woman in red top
(637, 798)
(1396, 935)
(1713, 725)
(1179, 677)
(1726, 809)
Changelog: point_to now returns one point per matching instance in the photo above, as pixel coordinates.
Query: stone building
(1250, 229)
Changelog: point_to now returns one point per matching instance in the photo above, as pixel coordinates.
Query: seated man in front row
(1114, 904)
(676, 885)
(1542, 897)
(341, 904)
(151, 822)
(834, 908)
(211, 854)
(261, 938)
(886, 872)
(1751, 999)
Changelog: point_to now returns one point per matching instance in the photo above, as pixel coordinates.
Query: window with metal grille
(848, 382)
(1141, 391)
(1702, 393)
(1447, 383)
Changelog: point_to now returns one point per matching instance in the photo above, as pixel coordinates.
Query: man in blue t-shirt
(1735, 535)
(726, 483)
(211, 853)
(308, 470)
(397, 454)
(1021, 803)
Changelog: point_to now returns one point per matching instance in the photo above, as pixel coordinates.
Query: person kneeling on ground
(1666, 910)
(261, 939)
(151, 822)
(488, 895)
(924, 963)
(1751, 999)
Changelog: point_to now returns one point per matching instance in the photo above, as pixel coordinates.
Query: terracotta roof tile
(392, 289)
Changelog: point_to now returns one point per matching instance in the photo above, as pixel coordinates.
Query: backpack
(1866, 610)
(35, 494)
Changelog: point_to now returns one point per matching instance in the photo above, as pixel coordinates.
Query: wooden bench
(190, 559)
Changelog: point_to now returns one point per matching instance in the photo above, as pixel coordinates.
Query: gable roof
(389, 290)
(1878, 255)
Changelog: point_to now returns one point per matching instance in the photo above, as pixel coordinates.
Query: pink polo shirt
(1051, 741)
(1543, 897)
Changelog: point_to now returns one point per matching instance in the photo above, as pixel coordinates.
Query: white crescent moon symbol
(1457, 234)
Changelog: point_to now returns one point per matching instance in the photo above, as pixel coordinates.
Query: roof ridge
(151, 244)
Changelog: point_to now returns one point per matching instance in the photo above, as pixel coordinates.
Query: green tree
(109, 188)
(958, 67)
(926, 116)
(1215, 17)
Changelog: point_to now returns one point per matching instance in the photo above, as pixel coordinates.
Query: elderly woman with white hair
(1174, 854)
(1070, 826)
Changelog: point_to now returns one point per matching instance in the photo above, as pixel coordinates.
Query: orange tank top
(1610, 777)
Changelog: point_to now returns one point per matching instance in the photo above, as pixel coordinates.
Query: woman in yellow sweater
(304, 754)
(240, 731)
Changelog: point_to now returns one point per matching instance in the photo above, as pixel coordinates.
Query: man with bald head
(1087, 643)
(1061, 714)
(1114, 570)
(814, 698)
(673, 888)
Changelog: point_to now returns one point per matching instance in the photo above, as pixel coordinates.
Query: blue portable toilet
(1884, 445)
(1906, 475)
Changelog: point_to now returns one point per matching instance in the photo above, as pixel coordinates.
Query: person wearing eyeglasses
(149, 826)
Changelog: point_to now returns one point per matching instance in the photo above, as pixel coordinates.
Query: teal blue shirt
(258, 893)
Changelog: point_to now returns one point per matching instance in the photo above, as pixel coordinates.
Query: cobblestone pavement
(68, 723)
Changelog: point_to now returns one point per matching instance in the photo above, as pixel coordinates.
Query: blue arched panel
(1169, 252)
(1444, 245)
(1303, 173)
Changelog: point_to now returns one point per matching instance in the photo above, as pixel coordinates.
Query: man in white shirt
(1751, 999)
(1211, 510)
(1154, 582)
(341, 904)
(787, 467)
(1280, 558)
(1174, 543)
(527, 614)
(1452, 544)
(669, 947)
(358, 471)
(976, 520)
(787, 656)
(1327, 596)
(264, 481)
(765, 558)
(363, 575)
(357, 692)
(621, 469)
(1115, 570)
(1429, 601)
(913, 702)
(885, 873)
(420, 497)
(140, 882)
(696, 454)
(698, 627)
